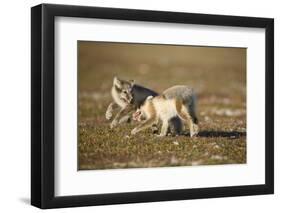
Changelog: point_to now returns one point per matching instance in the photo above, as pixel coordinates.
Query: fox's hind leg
(192, 112)
(125, 119)
(187, 117)
(122, 112)
(175, 126)
(144, 125)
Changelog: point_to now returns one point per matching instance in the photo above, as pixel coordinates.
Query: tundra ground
(218, 76)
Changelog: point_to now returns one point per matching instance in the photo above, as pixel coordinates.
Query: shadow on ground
(233, 134)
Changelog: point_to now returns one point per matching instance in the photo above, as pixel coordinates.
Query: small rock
(176, 143)
(127, 136)
(207, 118)
(174, 160)
(218, 157)
(216, 146)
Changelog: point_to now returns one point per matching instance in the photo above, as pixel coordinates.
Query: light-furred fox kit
(176, 101)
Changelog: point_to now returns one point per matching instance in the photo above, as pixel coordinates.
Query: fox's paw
(194, 131)
(113, 124)
(134, 131)
(193, 134)
(108, 114)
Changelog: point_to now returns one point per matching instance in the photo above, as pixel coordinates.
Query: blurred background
(207, 69)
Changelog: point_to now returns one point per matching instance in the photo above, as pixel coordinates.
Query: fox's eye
(124, 91)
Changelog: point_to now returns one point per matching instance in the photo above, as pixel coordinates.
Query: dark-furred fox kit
(127, 96)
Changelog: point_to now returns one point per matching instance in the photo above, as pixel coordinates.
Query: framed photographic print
(139, 106)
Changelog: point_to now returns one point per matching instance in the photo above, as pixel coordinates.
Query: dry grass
(217, 74)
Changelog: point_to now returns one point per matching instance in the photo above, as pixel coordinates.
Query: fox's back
(179, 91)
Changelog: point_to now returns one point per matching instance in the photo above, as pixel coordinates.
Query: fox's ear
(132, 82)
(116, 82)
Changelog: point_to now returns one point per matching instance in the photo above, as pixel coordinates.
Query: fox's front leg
(146, 124)
(164, 129)
(124, 110)
(109, 111)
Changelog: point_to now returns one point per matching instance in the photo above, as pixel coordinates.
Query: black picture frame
(43, 102)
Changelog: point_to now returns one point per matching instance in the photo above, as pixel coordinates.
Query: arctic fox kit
(164, 108)
(127, 96)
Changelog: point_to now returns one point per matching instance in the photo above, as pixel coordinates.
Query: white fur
(165, 109)
(117, 99)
